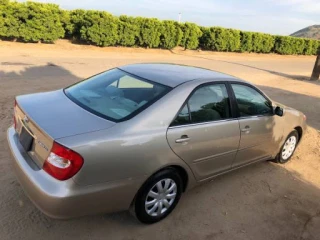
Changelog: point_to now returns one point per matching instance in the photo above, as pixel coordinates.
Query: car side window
(183, 117)
(207, 103)
(250, 102)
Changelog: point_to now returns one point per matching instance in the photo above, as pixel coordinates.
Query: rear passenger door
(205, 134)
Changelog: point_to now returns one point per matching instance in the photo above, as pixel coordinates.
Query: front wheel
(158, 196)
(288, 147)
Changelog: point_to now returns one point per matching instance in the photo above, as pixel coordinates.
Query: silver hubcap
(289, 147)
(161, 197)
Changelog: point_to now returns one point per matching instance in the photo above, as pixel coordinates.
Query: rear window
(115, 94)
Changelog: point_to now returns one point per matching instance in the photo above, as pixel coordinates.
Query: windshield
(115, 94)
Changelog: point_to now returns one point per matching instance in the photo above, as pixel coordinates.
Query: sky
(271, 16)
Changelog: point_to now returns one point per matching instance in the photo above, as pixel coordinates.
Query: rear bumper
(66, 199)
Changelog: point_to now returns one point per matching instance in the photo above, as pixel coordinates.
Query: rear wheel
(288, 147)
(158, 196)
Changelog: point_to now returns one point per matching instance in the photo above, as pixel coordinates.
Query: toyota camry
(138, 136)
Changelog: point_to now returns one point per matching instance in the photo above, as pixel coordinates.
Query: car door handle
(183, 139)
(246, 129)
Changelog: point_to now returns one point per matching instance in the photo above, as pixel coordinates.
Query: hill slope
(308, 32)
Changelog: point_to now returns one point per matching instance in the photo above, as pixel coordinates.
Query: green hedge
(291, 45)
(190, 36)
(101, 28)
(30, 21)
(220, 39)
(171, 35)
(311, 47)
(34, 22)
(128, 31)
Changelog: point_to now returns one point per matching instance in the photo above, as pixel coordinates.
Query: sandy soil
(262, 201)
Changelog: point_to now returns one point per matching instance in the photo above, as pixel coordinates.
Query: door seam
(238, 149)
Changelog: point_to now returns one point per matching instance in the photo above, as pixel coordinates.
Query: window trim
(236, 103)
(232, 117)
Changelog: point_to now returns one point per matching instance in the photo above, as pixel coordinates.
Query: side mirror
(278, 111)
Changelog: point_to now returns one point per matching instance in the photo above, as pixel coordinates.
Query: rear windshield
(115, 94)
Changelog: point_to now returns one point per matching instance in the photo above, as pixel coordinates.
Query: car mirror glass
(278, 111)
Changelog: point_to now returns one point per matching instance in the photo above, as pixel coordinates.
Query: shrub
(214, 38)
(41, 22)
(298, 45)
(267, 43)
(233, 40)
(77, 21)
(171, 35)
(11, 19)
(311, 47)
(283, 45)
(246, 41)
(150, 32)
(101, 28)
(316, 47)
(33, 22)
(290, 45)
(262, 43)
(308, 47)
(220, 39)
(256, 42)
(191, 35)
(128, 31)
(65, 19)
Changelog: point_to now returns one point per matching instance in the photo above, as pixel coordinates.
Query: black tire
(279, 158)
(138, 207)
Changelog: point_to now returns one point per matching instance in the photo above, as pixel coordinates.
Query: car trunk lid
(43, 118)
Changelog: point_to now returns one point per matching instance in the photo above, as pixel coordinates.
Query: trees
(30, 21)
(171, 35)
(34, 22)
(150, 32)
(220, 39)
(101, 28)
(246, 41)
(128, 31)
(191, 35)
(40, 22)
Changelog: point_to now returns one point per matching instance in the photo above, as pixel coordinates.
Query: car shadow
(261, 201)
(35, 78)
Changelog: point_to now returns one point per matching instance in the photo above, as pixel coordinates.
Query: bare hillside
(308, 32)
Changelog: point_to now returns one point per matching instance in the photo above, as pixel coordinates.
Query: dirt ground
(262, 201)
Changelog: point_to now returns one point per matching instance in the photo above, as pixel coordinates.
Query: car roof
(172, 74)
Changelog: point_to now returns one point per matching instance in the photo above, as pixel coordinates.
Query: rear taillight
(14, 115)
(62, 163)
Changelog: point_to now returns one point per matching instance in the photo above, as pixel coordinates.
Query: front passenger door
(259, 131)
(204, 134)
